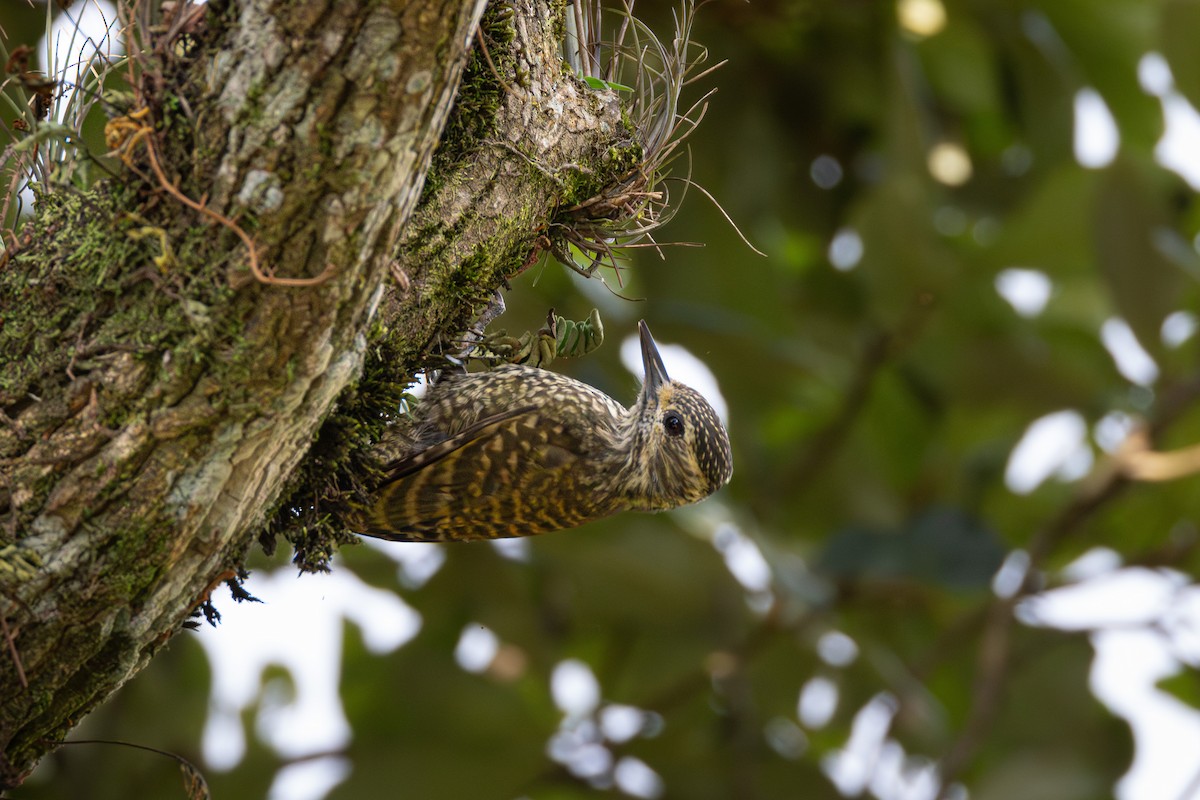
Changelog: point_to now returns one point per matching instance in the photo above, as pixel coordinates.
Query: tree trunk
(158, 398)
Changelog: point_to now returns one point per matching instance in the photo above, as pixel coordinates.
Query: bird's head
(680, 448)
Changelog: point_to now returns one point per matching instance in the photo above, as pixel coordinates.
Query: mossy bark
(157, 399)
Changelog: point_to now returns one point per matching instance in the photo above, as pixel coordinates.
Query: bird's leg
(558, 338)
(494, 309)
(474, 336)
(531, 349)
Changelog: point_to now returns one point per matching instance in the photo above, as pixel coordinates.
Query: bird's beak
(656, 371)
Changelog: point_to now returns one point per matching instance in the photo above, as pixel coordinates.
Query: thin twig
(221, 219)
(12, 650)
(198, 785)
(724, 214)
(991, 674)
(585, 62)
(483, 48)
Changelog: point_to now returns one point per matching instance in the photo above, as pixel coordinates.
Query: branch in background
(882, 349)
(992, 668)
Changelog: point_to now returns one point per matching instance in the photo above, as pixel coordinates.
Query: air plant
(632, 59)
(44, 110)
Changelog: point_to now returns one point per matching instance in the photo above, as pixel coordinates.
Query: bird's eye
(673, 423)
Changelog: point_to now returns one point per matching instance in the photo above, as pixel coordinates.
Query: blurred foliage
(872, 411)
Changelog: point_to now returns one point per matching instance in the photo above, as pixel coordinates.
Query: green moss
(76, 261)
(625, 157)
(339, 468)
(325, 138)
(252, 109)
(480, 96)
(558, 13)
(94, 280)
(112, 655)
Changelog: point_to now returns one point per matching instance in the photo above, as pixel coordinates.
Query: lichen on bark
(160, 402)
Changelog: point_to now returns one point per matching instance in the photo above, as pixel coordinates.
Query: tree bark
(157, 398)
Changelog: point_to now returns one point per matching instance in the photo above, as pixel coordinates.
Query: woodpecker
(519, 451)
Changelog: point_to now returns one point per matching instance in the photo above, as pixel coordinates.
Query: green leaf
(597, 83)
(1183, 686)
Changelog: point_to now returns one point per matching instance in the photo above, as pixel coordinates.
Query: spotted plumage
(519, 451)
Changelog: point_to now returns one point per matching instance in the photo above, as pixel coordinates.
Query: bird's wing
(483, 429)
(500, 477)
